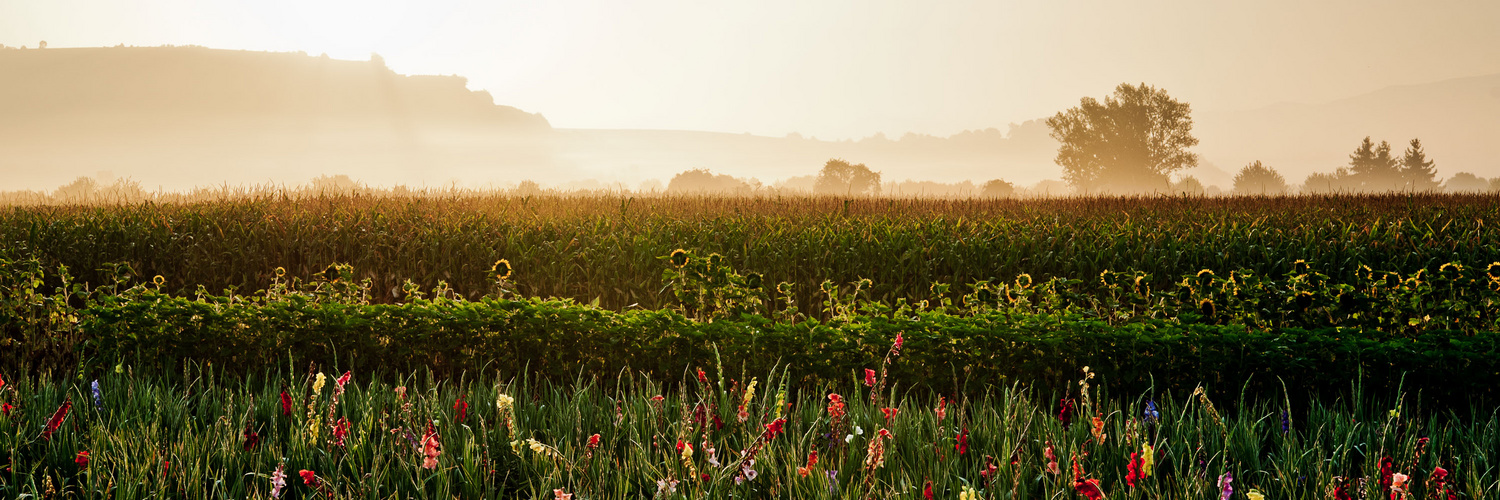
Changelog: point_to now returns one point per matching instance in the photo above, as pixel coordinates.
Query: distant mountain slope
(164, 85)
(1458, 121)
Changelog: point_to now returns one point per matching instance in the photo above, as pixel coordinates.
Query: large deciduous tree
(1130, 143)
(841, 178)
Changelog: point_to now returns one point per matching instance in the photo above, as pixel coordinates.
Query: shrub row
(561, 339)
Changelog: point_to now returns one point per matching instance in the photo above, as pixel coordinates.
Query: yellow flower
(687, 451)
(318, 384)
(536, 446)
(504, 402)
(750, 392)
(1148, 459)
(968, 494)
(1255, 495)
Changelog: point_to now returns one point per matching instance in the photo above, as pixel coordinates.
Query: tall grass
(186, 436)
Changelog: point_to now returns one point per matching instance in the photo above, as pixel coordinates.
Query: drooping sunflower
(1206, 308)
(753, 281)
(159, 280)
(1304, 300)
(331, 273)
(679, 257)
(501, 270)
(1205, 279)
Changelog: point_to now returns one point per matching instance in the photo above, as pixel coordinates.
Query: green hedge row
(562, 340)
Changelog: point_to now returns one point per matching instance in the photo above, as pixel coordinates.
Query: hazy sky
(832, 69)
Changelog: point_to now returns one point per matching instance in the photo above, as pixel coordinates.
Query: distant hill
(188, 85)
(1458, 121)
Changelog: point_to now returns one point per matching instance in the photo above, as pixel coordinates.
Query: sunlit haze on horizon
(830, 69)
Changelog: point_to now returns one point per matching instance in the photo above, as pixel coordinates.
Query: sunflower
(1493, 271)
(753, 281)
(715, 260)
(679, 257)
(501, 269)
(1299, 266)
(280, 271)
(331, 273)
(1206, 307)
(1205, 278)
(1304, 300)
(1023, 280)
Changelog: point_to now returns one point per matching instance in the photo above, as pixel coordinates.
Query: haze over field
(607, 94)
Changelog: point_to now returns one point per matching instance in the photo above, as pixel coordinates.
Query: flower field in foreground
(713, 435)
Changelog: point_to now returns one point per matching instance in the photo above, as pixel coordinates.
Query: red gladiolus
(927, 490)
(706, 477)
(890, 414)
(57, 419)
(252, 438)
(1089, 488)
(82, 459)
(1133, 470)
(774, 429)
(1387, 468)
(1065, 412)
(869, 377)
(310, 478)
(340, 431)
(2, 382)
(166, 465)
(286, 403)
(461, 407)
(896, 350)
(963, 441)
(991, 469)
(702, 377)
(679, 446)
(594, 441)
(942, 409)
(5, 408)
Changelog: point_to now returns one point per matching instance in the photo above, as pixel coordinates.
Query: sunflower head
(1300, 266)
(1205, 277)
(1493, 271)
(715, 260)
(331, 273)
(753, 281)
(784, 288)
(501, 270)
(159, 280)
(1206, 308)
(280, 271)
(1304, 299)
(679, 257)
(1023, 280)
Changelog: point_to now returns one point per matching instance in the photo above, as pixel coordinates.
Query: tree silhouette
(1189, 186)
(1131, 142)
(1258, 179)
(1417, 170)
(839, 177)
(1464, 182)
(1373, 168)
(997, 188)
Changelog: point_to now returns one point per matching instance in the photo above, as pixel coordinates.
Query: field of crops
(600, 348)
(609, 248)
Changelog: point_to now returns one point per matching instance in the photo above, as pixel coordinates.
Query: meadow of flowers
(286, 433)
